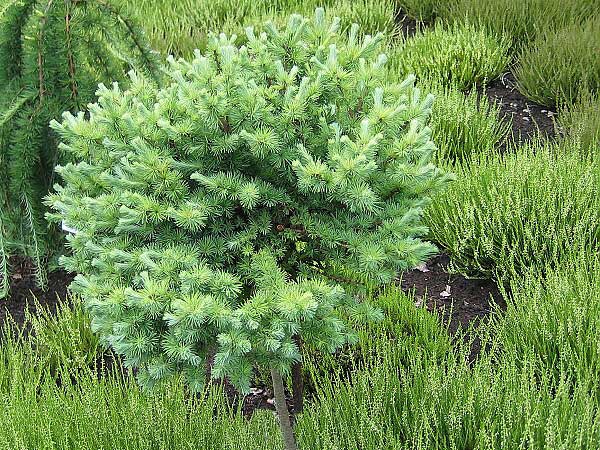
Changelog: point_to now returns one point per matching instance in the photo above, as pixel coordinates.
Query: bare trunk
(282, 412)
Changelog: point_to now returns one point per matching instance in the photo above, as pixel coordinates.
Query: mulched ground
(24, 289)
(527, 117)
(460, 301)
(407, 26)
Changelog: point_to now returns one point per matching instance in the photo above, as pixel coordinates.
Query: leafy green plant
(213, 215)
(415, 390)
(52, 55)
(62, 338)
(460, 55)
(556, 318)
(560, 64)
(511, 212)
(581, 122)
(432, 404)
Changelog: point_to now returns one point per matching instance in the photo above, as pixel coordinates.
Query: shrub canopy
(214, 214)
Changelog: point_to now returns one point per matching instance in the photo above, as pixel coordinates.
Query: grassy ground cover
(408, 389)
(509, 212)
(460, 55)
(181, 26)
(580, 122)
(561, 63)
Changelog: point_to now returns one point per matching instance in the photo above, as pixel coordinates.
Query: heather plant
(466, 125)
(423, 10)
(521, 21)
(212, 218)
(580, 123)
(52, 56)
(460, 55)
(179, 27)
(536, 205)
(561, 64)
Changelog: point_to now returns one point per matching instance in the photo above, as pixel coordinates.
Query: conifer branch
(40, 56)
(70, 56)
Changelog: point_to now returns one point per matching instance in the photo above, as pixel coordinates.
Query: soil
(24, 291)
(407, 26)
(527, 117)
(460, 302)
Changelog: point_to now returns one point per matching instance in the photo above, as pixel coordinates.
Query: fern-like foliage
(214, 214)
(53, 53)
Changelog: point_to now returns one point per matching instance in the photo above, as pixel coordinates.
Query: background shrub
(518, 20)
(465, 125)
(556, 319)
(459, 55)
(179, 27)
(52, 56)
(560, 64)
(422, 10)
(581, 122)
(507, 213)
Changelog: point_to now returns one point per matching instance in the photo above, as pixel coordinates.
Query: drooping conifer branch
(46, 66)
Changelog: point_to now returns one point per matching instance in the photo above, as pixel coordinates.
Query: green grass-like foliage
(466, 125)
(211, 213)
(52, 56)
(508, 213)
(521, 21)
(539, 361)
(422, 10)
(411, 390)
(179, 27)
(561, 64)
(459, 55)
(581, 123)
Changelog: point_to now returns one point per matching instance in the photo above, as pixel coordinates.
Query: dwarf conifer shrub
(213, 216)
(52, 56)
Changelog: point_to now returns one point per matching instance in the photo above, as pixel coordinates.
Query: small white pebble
(446, 292)
(422, 267)
(526, 119)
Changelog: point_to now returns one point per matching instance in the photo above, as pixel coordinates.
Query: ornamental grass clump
(211, 217)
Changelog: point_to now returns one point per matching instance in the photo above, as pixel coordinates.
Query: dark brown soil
(258, 398)
(24, 291)
(407, 26)
(527, 117)
(460, 301)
